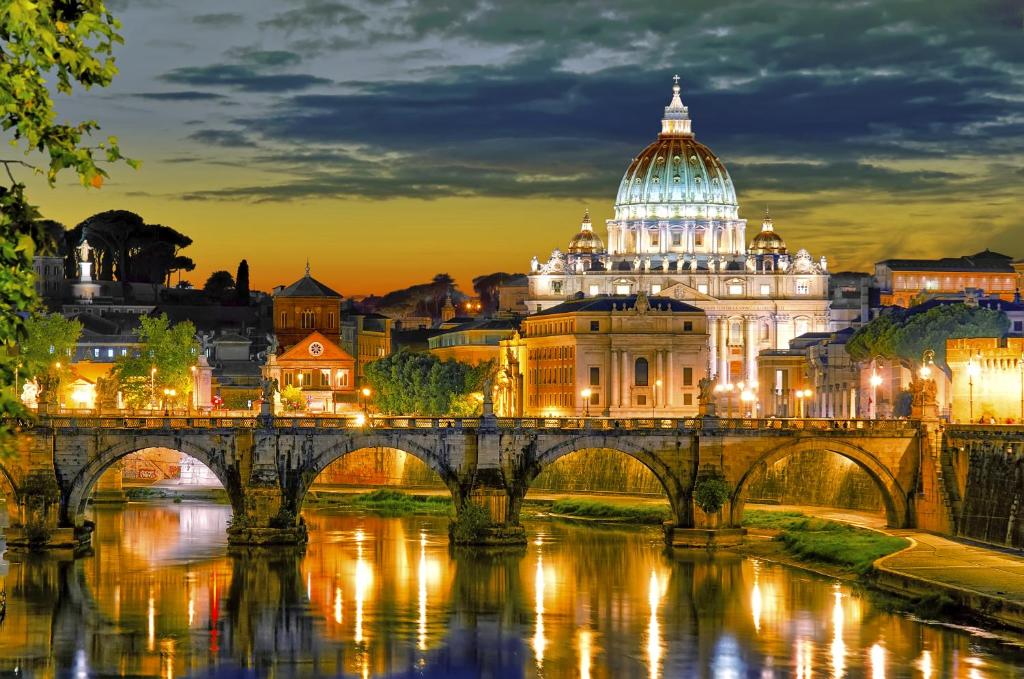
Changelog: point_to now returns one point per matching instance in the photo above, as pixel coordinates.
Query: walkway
(988, 581)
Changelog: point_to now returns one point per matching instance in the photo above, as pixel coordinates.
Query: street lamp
(972, 371)
(927, 359)
(365, 393)
(657, 388)
(195, 389)
(586, 402)
(802, 394)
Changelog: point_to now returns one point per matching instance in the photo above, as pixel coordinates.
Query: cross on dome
(586, 225)
(307, 266)
(767, 224)
(676, 122)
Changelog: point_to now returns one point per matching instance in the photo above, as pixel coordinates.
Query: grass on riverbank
(821, 540)
(591, 509)
(387, 502)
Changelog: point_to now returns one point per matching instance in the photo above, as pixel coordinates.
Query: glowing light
(337, 605)
(924, 663)
(756, 600)
(876, 380)
(539, 642)
(84, 395)
(167, 658)
(877, 655)
(804, 653)
(422, 572)
(151, 622)
(309, 586)
(838, 645)
(364, 578)
(360, 420)
(654, 649)
(586, 650)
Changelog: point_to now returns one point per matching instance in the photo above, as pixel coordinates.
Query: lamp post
(365, 393)
(657, 388)
(802, 394)
(152, 387)
(586, 402)
(972, 371)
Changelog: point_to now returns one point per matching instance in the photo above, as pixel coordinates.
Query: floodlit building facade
(677, 233)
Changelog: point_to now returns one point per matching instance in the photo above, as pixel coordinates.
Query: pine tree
(242, 283)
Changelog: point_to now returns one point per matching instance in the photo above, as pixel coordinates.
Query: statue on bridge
(269, 386)
(706, 398)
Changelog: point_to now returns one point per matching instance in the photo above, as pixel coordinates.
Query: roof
(617, 303)
(329, 351)
(231, 337)
(986, 260)
(492, 324)
(995, 304)
(307, 286)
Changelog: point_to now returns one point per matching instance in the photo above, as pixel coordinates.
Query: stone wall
(993, 493)
(601, 471)
(814, 478)
(379, 467)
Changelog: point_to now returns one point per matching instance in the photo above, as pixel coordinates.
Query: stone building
(367, 337)
(305, 306)
(987, 379)
(322, 370)
(635, 356)
(901, 281)
(677, 233)
(473, 342)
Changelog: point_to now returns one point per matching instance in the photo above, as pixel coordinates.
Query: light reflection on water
(374, 596)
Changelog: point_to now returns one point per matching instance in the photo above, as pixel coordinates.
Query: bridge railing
(359, 422)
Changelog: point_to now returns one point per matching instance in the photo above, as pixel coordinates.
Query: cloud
(259, 58)
(316, 15)
(240, 77)
(230, 138)
(219, 20)
(180, 95)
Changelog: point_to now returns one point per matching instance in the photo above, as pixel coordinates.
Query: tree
(130, 250)
(219, 285)
(171, 350)
(905, 334)
(407, 383)
(49, 339)
(47, 46)
(292, 398)
(242, 284)
(486, 287)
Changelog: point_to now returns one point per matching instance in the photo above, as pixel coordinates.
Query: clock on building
(315, 348)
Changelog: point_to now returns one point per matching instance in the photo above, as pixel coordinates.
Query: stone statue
(680, 262)
(751, 263)
(47, 391)
(271, 344)
(30, 394)
(579, 265)
(84, 249)
(636, 263)
(608, 263)
(534, 264)
(269, 386)
(665, 264)
(707, 390)
(647, 263)
(784, 263)
(823, 263)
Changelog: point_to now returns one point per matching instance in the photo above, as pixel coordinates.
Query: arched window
(640, 372)
(308, 319)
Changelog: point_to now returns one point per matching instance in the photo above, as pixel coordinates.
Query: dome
(676, 176)
(767, 242)
(586, 241)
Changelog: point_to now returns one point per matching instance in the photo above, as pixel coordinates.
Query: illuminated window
(803, 287)
(622, 289)
(594, 290)
(698, 238)
(765, 289)
(702, 288)
(655, 289)
(654, 237)
(735, 288)
(677, 238)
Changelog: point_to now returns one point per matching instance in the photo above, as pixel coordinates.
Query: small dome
(767, 242)
(586, 242)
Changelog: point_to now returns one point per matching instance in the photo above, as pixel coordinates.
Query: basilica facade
(677, 233)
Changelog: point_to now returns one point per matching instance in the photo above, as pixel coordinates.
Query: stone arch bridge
(267, 464)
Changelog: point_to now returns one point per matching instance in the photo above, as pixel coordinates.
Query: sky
(390, 140)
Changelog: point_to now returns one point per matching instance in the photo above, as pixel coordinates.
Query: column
(712, 346)
(625, 393)
(613, 379)
(750, 347)
(659, 372)
(663, 240)
(723, 350)
(669, 380)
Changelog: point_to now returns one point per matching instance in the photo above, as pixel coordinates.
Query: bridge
(267, 464)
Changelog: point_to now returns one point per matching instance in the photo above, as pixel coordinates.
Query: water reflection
(161, 596)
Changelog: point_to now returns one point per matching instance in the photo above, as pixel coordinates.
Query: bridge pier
(487, 508)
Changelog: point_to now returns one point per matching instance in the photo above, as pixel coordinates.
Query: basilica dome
(767, 242)
(676, 176)
(586, 241)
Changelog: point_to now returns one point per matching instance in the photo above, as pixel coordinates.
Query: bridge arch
(675, 487)
(80, 486)
(894, 497)
(9, 492)
(411, 445)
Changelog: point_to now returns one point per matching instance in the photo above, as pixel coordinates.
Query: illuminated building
(677, 233)
(367, 337)
(618, 356)
(305, 306)
(988, 379)
(473, 342)
(815, 362)
(900, 281)
(320, 368)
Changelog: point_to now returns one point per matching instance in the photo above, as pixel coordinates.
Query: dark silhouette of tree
(423, 299)
(242, 284)
(486, 287)
(219, 286)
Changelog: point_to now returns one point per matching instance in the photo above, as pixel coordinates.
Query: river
(372, 596)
